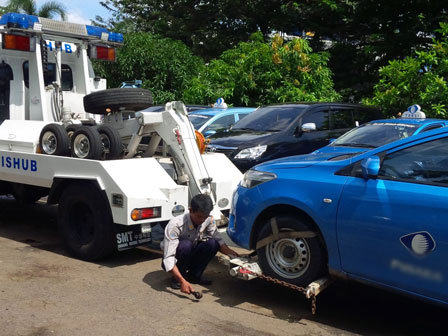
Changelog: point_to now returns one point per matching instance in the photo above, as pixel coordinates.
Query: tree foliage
(367, 34)
(360, 35)
(164, 65)
(256, 73)
(418, 79)
(208, 27)
(47, 10)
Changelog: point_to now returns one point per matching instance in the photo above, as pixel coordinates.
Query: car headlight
(253, 178)
(251, 153)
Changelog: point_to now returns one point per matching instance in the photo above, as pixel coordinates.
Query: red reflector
(146, 213)
(104, 53)
(16, 42)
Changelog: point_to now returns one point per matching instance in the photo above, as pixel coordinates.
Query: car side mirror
(308, 127)
(370, 167)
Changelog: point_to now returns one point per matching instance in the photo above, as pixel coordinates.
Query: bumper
(245, 207)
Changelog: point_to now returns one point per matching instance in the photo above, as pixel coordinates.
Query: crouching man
(190, 243)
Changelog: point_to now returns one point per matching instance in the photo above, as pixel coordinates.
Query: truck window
(50, 75)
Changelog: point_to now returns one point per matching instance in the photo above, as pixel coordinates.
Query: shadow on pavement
(348, 306)
(36, 226)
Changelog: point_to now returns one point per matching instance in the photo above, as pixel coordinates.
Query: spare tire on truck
(116, 100)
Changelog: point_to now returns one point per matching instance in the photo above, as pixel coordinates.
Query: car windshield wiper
(272, 130)
(243, 129)
(355, 144)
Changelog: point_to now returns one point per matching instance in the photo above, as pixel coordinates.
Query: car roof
(408, 121)
(215, 111)
(307, 104)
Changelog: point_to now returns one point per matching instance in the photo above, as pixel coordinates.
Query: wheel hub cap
(49, 143)
(288, 257)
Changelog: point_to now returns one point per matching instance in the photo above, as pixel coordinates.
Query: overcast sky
(78, 11)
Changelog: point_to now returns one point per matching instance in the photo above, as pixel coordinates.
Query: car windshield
(198, 120)
(373, 135)
(269, 119)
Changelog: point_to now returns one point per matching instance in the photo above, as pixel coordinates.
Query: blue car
(380, 132)
(209, 121)
(378, 217)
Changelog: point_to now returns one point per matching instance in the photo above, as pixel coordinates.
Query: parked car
(209, 121)
(190, 108)
(135, 84)
(380, 132)
(378, 217)
(276, 131)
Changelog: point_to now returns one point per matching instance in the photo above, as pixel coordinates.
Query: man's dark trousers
(195, 259)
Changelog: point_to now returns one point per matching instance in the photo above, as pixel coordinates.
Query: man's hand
(185, 287)
(228, 251)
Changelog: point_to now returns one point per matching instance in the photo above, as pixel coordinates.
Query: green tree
(365, 34)
(257, 73)
(418, 79)
(47, 10)
(164, 65)
(360, 35)
(207, 27)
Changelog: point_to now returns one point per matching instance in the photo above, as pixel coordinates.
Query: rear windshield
(269, 118)
(373, 135)
(198, 120)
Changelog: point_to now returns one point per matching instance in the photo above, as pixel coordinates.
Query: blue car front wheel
(296, 260)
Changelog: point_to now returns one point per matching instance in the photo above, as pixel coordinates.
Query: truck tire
(115, 100)
(86, 143)
(111, 144)
(298, 261)
(53, 140)
(85, 222)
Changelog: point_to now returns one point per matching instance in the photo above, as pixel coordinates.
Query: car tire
(86, 143)
(111, 144)
(53, 140)
(116, 100)
(298, 261)
(85, 222)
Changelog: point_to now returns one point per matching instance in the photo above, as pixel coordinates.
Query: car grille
(220, 149)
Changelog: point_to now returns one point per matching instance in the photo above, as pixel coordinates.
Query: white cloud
(76, 16)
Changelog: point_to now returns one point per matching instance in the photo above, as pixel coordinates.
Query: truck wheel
(86, 143)
(70, 129)
(111, 144)
(298, 261)
(85, 222)
(53, 140)
(115, 100)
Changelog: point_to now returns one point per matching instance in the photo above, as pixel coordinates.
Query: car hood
(243, 139)
(303, 161)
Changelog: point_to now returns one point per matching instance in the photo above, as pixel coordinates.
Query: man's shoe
(199, 281)
(174, 284)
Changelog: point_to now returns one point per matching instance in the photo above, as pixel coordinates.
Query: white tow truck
(115, 170)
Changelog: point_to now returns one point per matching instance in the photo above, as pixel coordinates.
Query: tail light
(146, 213)
(18, 42)
(102, 53)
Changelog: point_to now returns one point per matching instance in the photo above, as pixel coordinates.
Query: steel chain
(285, 284)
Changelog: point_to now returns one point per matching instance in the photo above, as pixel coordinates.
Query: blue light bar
(25, 21)
(16, 20)
(97, 31)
